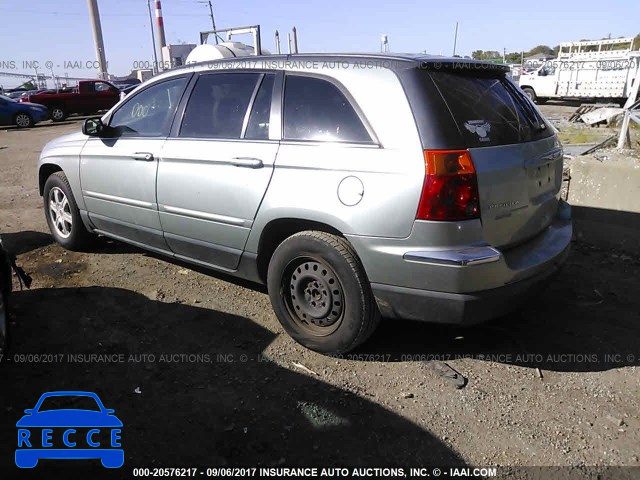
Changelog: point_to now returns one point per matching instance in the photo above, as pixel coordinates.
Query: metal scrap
(603, 144)
(589, 107)
(605, 114)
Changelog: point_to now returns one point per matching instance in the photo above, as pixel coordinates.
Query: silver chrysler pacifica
(353, 186)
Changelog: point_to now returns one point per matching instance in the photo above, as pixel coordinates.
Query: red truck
(90, 96)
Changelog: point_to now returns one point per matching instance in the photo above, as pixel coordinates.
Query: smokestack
(294, 38)
(160, 25)
(277, 42)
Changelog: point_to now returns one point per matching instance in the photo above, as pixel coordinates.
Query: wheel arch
(523, 87)
(23, 112)
(277, 230)
(44, 172)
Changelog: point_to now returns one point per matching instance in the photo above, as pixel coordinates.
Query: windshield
(6, 99)
(66, 402)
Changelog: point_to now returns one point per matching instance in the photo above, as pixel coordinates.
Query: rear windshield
(484, 109)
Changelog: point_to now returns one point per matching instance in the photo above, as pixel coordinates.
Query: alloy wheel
(60, 212)
(23, 120)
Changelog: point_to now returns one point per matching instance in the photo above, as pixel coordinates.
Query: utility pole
(94, 15)
(455, 40)
(153, 40)
(213, 22)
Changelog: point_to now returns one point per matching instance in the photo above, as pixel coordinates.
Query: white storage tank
(205, 53)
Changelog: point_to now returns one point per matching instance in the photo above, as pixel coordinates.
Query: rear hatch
(516, 155)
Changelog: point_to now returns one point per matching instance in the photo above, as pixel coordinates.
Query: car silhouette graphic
(77, 422)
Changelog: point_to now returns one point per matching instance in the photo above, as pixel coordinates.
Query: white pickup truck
(602, 69)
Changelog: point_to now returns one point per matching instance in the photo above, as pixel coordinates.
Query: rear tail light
(450, 190)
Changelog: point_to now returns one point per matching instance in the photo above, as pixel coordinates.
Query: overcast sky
(60, 31)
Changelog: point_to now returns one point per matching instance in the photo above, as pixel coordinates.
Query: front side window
(218, 105)
(150, 112)
(315, 109)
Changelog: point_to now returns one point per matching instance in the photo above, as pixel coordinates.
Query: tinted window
(315, 109)
(487, 109)
(150, 112)
(258, 126)
(102, 87)
(218, 105)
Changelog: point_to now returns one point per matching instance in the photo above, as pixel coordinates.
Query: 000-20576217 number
(165, 472)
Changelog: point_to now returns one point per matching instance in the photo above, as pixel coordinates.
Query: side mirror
(542, 73)
(109, 411)
(93, 127)
(29, 411)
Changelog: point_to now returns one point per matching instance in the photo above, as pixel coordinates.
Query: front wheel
(320, 292)
(529, 92)
(63, 215)
(23, 120)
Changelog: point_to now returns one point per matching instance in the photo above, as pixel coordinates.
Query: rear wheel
(23, 120)
(58, 113)
(320, 293)
(63, 215)
(529, 92)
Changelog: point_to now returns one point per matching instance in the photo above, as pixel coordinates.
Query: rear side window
(218, 105)
(487, 110)
(315, 109)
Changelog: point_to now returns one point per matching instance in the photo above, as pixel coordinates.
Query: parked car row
(21, 114)
(33, 106)
(437, 201)
(90, 96)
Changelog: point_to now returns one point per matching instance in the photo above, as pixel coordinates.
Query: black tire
(5, 291)
(4, 324)
(23, 120)
(529, 92)
(57, 113)
(71, 235)
(319, 276)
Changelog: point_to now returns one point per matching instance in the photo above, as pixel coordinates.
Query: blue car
(22, 114)
(69, 425)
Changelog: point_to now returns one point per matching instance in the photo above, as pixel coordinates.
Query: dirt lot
(200, 372)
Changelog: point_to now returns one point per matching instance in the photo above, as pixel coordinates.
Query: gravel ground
(201, 373)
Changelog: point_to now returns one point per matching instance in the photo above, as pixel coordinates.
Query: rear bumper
(459, 308)
(468, 284)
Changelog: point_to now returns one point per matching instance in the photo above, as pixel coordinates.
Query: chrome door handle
(247, 162)
(144, 156)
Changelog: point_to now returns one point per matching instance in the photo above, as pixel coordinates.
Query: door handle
(247, 162)
(144, 156)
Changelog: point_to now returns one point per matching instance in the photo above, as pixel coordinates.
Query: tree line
(515, 57)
